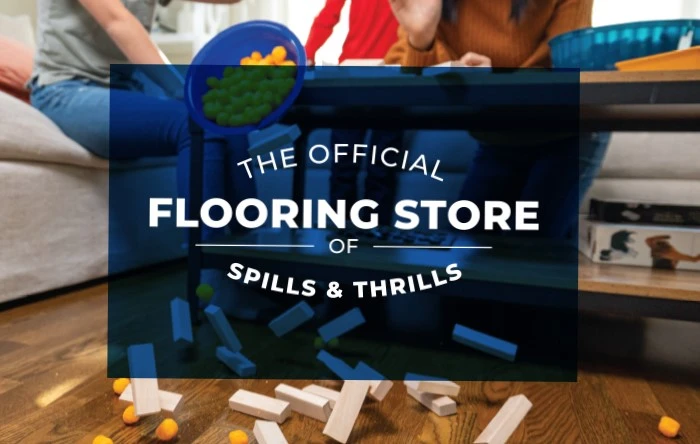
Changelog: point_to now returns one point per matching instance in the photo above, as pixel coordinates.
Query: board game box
(664, 247)
(644, 213)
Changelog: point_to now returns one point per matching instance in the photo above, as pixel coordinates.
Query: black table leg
(299, 181)
(194, 258)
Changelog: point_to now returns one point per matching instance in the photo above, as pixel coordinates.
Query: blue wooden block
(142, 361)
(180, 319)
(485, 343)
(365, 372)
(341, 325)
(236, 362)
(223, 328)
(417, 377)
(291, 319)
(274, 137)
(336, 365)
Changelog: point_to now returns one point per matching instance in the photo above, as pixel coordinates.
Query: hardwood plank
(598, 419)
(54, 389)
(682, 403)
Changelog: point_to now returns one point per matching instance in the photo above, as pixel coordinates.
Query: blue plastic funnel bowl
(227, 49)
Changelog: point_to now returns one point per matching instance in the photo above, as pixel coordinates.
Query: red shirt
(373, 29)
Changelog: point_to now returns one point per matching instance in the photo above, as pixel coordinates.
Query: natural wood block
(506, 421)
(168, 400)
(344, 415)
(306, 403)
(447, 388)
(261, 406)
(324, 392)
(268, 432)
(438, 404)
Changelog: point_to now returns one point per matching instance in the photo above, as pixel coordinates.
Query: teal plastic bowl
(598, 49)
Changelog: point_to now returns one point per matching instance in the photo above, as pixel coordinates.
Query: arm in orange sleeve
(323, 25)
(402, 53)
(569, 15)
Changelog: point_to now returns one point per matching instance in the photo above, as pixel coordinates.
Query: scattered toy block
(438, 404)
(223, 328)
(144, 382)
(238, 363)
(341, 325)
(180, 319)
(306, 403)
(506, 421)
(485, 343)
(432, 384)
(168, 401)
(344, 415)
(272, 138)
(268, 432)
(336, 365)
(324, 392)
(291, 319)
(261, 406)
(362, 62)
(379, 386)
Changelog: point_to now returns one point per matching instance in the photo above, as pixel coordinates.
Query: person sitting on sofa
(372, 31)
(78, 40)
(551, 169)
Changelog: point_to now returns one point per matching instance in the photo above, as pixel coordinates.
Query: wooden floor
(53, 388)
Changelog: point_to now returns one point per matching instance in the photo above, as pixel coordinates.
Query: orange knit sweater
(485, 27)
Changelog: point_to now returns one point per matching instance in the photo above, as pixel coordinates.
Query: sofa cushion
(653, 156)
(26, 134)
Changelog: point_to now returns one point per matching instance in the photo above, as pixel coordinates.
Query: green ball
(334, 343)
(229, 71)
(318, 343)
(209, 97)
(247, 99)
(236, 120)
(264, 110)
(246, 85)
(222, 118)
(211, 110)
(205, 292)
(237, 106)
(268, 98)
(213, 82)
(248, 115)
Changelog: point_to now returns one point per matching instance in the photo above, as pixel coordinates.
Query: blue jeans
(138, 125)
(380, 182)
(556, 174)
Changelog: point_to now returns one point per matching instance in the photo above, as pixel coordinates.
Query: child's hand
(419, 18)
(475, 60)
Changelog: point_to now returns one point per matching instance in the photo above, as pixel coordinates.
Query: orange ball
(288, 63)
(279, 54)
(129, 416)
(167, 430)
(119, 385)
(669, 427)
(238, 437)
(256, 56)
(101, 439)
(246, 61)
